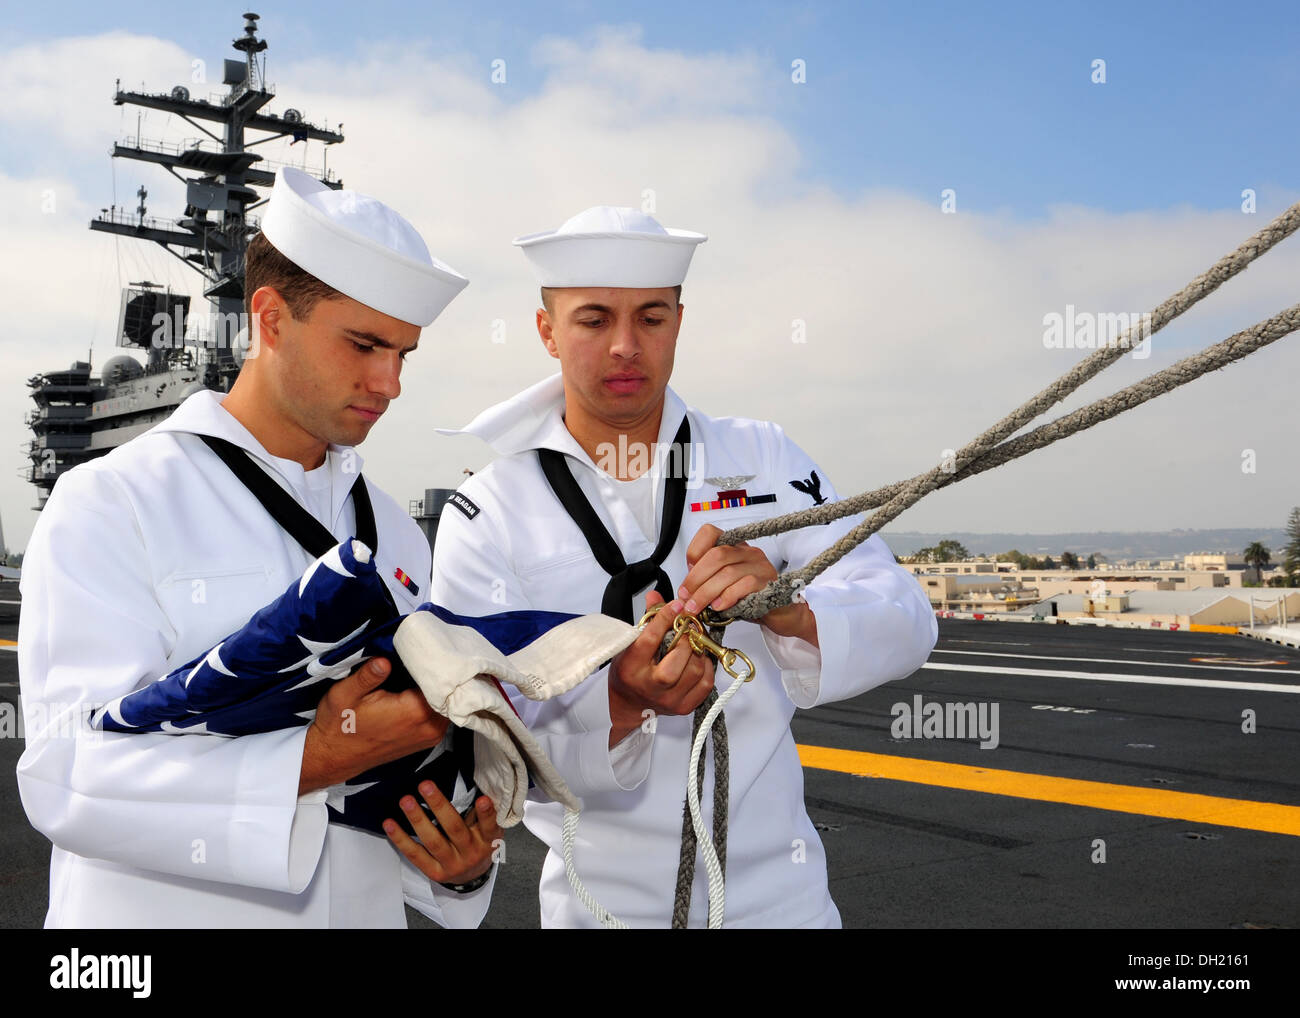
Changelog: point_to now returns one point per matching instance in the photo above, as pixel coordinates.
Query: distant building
(1001, 586)
(1214, 561)
(1088, 581)
(979, 592)
(1177, 608)
(1148, 563)
(959, 568)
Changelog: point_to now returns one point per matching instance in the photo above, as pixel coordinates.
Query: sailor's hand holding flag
(454, 851)
(446, 717)
(359, 726)
(381, 727)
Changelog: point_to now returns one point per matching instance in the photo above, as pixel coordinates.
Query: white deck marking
(1122, 661)
(990, 643)
(1147, 680)
(1147, 650)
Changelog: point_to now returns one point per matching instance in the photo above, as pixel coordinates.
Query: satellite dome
(119, 369)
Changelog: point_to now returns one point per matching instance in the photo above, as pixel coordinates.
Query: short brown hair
(265, 266)
(546, 296)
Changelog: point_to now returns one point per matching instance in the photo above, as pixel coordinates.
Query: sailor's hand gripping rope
(693, 628)
(990, 449)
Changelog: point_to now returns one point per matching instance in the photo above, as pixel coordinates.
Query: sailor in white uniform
(149, 556)
(592, 506)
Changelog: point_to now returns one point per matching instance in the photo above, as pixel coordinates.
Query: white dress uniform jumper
(507, 542)
(151, 555)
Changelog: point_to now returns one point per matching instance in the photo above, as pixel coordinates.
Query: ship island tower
(80, 416)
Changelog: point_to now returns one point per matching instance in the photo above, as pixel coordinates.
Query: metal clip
(701, 643)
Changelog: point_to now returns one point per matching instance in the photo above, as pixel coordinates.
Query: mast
(79, 416)
(212, 235)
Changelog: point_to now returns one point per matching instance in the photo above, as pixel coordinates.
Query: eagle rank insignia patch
(812, 487)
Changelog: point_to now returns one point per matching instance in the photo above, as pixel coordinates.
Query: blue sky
(993, 100)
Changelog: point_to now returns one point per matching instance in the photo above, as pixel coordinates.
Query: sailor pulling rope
(988, 450)
(607, 276)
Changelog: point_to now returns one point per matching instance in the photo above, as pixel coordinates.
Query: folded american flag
(271, 674)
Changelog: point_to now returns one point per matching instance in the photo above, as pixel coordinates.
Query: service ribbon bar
(407, 582)
(731, 503)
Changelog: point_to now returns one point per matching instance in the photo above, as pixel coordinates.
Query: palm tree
(1291, 562)
(1258, 556)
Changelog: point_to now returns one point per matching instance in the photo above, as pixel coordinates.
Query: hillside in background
(1113, 544)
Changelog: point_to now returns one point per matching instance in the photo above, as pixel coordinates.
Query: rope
(689, 844)
(1220, 355)
(691, 823)
(713, 849)
(990, 449)
(970, 460)
(1233, 348)
(569, 835)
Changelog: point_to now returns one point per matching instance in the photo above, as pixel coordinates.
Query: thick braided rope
(713, 864)
(721, 797)
(686, 856)
(1188, 369)
(986, 451)
(715, 853)
(785, 588)
(1234, 348)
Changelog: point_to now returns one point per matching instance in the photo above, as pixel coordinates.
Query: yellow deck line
(1207, 809)
(8, 643)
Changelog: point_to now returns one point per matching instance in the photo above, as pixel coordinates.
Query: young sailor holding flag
(154, 553)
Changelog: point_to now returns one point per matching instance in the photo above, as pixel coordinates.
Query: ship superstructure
(80, 415)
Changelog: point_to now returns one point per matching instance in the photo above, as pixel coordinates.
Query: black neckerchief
(626, 581)
(301, 525)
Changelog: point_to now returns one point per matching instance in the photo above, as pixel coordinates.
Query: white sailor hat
(608, 246)
(359, 246)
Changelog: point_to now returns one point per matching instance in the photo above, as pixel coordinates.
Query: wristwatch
(472, 885)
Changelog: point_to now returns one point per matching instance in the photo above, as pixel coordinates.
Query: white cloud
(922, 328)
(631, 80)
(61, 90)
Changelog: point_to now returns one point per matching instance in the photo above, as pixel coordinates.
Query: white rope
(712, 865)
(717, 885)
(606, 917)
(787, 588)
